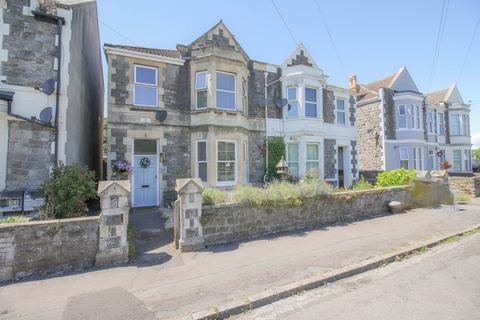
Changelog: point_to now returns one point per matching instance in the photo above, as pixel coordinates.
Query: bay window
(440, 124)
(417, 158)
(312, 158)
(145, 89)
(310, 102)
(226, 162)
(201, 160)
(225, 90)
(402, 117)
(457, 160)
(292, 159)
(429, 122)
(467, 160)
(403, 158)
(340, 104)
(417, 117)
(292, 102)
(455, 124)
(201, 89)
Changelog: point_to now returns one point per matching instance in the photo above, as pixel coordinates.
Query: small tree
(66, 191)
(476, 154)
(276, 150)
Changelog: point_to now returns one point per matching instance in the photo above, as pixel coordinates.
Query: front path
(190, 282)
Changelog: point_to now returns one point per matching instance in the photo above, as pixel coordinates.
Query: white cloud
(476, 140)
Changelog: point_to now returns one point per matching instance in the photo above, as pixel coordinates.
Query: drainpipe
(59, 21)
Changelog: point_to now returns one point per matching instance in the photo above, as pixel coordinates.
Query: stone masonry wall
(329, 156)
(234, 222)
(256, 151)
(354, 161)
(467, 185)
(47, 246)
(351, 110)
(29, 156)
(30, 45)
(256, 94)
(389, 114)
(328, 106)
(370, 137)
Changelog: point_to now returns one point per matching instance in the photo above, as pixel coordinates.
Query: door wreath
(145, 162)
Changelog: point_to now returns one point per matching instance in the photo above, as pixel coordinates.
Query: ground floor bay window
(226, 163)
(312, 158)
(457, 160)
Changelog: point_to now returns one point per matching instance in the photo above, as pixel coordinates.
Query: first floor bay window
(201, 89)
(292, 102)
(226, 162)
(292, 159)
(430, 122)
(440, 124)
(310, 102)
(455, 124)
(145, 91)
(312, 158)
(402, 117)
(225, 90)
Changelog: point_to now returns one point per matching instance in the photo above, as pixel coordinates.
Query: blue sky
(373, 37)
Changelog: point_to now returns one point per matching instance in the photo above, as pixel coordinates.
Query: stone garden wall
(233, 222)
(47, 246)
(467, 185)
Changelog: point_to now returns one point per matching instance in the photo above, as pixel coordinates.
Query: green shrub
(14, 220)
(215, 196)
(66, 191)
(276, 150)
(462, 198)
(398, 177)
(362, 184)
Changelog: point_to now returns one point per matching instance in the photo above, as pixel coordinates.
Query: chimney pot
(353, 84)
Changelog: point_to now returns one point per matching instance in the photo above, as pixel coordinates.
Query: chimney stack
(48, 7)
(352, 83)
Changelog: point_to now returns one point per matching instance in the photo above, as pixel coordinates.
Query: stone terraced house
(51, 94)
(198, 111)
(398, 126)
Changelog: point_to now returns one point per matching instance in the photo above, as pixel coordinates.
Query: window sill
(410, 130)
(144, 108)
(216, 110)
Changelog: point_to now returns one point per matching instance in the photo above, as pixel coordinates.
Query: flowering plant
(122, 167)
(444, 165)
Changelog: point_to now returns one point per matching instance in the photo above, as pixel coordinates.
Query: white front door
(145, 166)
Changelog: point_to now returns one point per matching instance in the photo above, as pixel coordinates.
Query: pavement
(440, 284)
(179, 284)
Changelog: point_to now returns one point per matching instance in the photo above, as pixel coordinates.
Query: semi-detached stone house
(398, 126)
(319, 124)
(51, 94)
(198, 111)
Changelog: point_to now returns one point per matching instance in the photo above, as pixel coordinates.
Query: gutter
(59, 21)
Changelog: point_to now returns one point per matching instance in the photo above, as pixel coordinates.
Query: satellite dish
(280, 103)
(161, 115)
(48, 87)
(46, 114)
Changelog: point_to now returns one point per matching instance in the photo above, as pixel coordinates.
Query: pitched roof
(437, 96)
(175, 54)
(370, 90)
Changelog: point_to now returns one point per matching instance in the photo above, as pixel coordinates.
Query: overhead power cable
(438, 42)
(331, 38)
(284, 23)
(468, 50)
(117, 32)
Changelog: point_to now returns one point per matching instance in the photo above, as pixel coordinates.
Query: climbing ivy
(276, 149)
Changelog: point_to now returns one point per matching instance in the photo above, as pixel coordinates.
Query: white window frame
(289, 161)
(430, 122)
(440, 123)
(467, 124)
(198, 89)
(311, 102)
(246, 170)
(294, 100)
(146, 85)
(197, 162)
(312, 161)
(222, 90)
(417, 115)
(404, 159)
(402, 116)
(467, 159)
(344, 111)
(452, 127)
(226, 183)
(244, 94)
(457, 168)
(418, 158)
(411, 117)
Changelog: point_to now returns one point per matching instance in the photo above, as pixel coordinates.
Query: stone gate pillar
(188, 211)
(114, 202)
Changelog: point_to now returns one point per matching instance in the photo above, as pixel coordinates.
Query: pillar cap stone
(189, 185)
(119, 187)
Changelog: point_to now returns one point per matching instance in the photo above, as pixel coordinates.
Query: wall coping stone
(46, 222)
